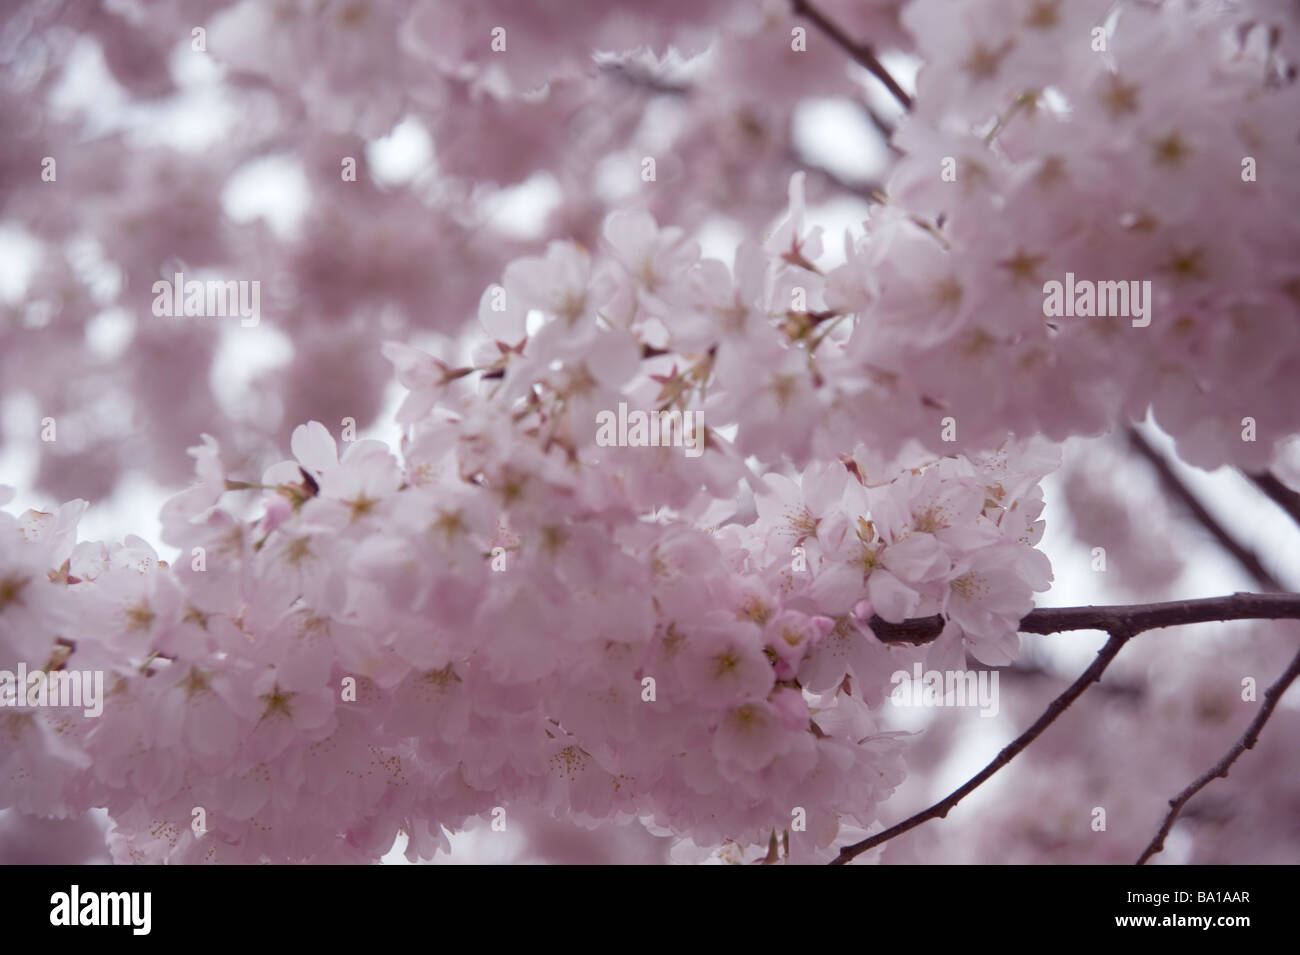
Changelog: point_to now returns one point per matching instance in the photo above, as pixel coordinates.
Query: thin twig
(1280, 494)
(862, 53)
(1220, 769)
(1246, 557)
(1008, 753)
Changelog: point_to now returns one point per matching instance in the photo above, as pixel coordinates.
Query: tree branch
(1008, 753)
(1280, 494)
(862, 53)
(1122, 623)
(1246, 557)
(1220, 769)
(1139, 617)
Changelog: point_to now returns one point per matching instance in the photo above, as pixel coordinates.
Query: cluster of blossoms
(1156, 144)
(505, 611)
(1069, 154)
(143, 179)
(524, 616)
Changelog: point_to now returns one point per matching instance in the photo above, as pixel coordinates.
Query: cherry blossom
(372, 613)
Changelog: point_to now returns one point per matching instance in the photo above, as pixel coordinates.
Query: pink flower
(750, 736)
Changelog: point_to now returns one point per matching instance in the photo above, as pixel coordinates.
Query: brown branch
(1122, 623)
(1220, 769)
(1140, 617)
(862, 53)
(1246, 557)
(1279, 493)
(1008, 753)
